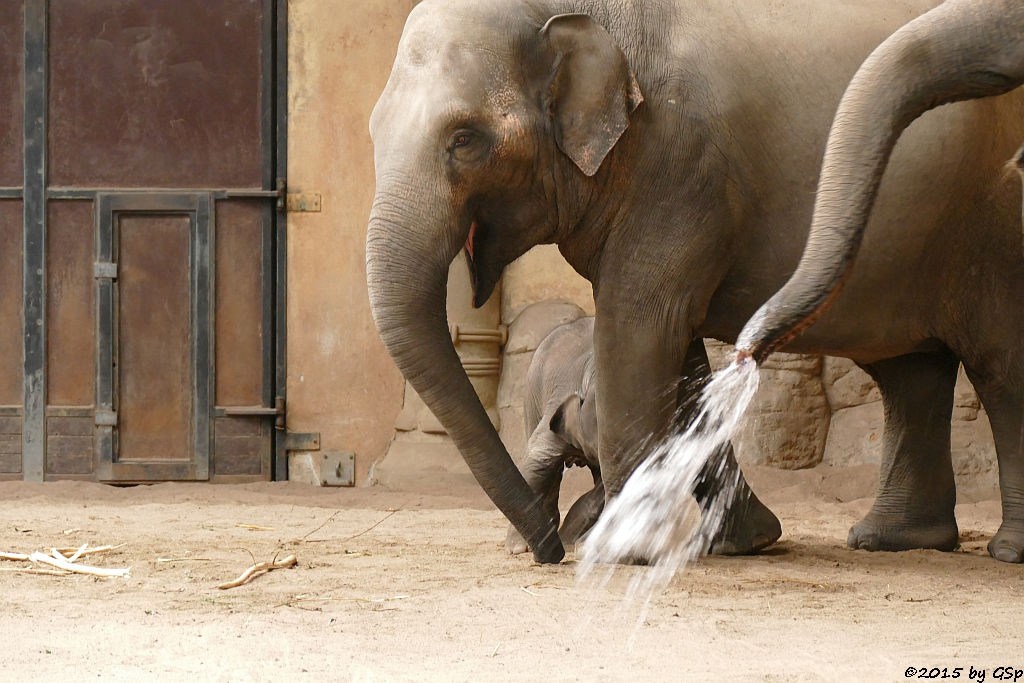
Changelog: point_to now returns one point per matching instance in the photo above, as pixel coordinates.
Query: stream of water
(654, 518)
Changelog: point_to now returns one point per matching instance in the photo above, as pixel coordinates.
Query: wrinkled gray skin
(560, 410)
(962, 50)
(671, 149)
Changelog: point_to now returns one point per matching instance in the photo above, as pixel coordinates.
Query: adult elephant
(671, 150)
(962, 50)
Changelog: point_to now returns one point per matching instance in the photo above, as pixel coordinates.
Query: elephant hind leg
(1005, 408)
(917, 494)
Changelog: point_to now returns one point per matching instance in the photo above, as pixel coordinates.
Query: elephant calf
(561, 421)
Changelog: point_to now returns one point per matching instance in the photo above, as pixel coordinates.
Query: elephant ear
(565, 421)
(593, 90)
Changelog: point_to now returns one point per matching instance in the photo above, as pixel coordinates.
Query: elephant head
(489, 131)
(963, 49)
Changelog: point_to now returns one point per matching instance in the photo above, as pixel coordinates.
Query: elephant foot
(902, 531)
(1008, 543)
(515, 544)
(749, 528)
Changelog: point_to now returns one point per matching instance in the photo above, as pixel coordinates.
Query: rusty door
(147, 285)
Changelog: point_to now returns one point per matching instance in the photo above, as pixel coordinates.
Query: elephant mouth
(472, 250)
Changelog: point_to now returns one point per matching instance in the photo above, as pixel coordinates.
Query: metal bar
(203, 222)
(33, 442)
(269, 219)
(70, 411)
(105, 339)
(280, 309)
(11, 193)
(91, 193)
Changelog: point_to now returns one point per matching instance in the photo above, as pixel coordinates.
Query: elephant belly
(943, 242)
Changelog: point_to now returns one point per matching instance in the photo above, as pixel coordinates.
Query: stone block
(855, 435)
(846, 385)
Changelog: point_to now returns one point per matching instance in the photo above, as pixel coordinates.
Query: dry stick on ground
(15, 557)
(63, 563)
(90, 551)
(34, 570)
(289, 561)
(346, 540)
(303, 539)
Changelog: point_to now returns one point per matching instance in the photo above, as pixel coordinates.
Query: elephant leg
(749, 525)
(917, 493)
(583, 514)
(638, 379)
(542, 469)
(1005, 409)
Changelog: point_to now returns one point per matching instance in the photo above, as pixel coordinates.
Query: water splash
(654, 518)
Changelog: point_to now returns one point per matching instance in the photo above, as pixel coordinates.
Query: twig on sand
(14, 557)
(376, 602)
(259, 567)
(34, 570)
(184, 559)
(333, 515)
(306, 539)
(253, 527)
(63, 563)
(89, 551)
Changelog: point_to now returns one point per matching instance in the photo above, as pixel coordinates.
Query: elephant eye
(461, 139)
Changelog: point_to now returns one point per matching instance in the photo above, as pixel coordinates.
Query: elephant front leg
(749, 526)
(917, 494)
(542, 469)
(639, 391)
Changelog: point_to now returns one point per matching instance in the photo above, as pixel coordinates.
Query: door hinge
(303, 202)
(103, 269)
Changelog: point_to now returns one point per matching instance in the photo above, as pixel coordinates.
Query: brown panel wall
(12, 56)
(239, 301)
(242, 445)
(154, 333)
(69, 445)
(10, 303)
(70, 310)
(151, 93)
(10, 445)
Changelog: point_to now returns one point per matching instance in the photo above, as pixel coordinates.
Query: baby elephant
(561, 419)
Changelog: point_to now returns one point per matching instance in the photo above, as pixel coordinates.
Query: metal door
(148, 284)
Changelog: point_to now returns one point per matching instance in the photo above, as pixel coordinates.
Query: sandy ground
(429, 594)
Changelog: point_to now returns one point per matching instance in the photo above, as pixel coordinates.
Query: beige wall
(341, 382)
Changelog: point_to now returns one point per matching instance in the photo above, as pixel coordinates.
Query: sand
(429, 593)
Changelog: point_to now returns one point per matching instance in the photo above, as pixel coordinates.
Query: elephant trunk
(961, 50)
(407, 268)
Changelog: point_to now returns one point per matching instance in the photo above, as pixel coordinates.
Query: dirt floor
(403, 585)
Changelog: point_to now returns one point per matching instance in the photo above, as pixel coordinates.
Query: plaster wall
(341, 381)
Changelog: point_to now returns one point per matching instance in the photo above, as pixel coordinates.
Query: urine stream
(654, 519)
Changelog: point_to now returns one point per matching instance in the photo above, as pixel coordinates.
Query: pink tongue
(469, 240)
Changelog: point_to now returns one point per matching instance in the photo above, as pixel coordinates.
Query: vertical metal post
(34, 241)
(281, 228)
